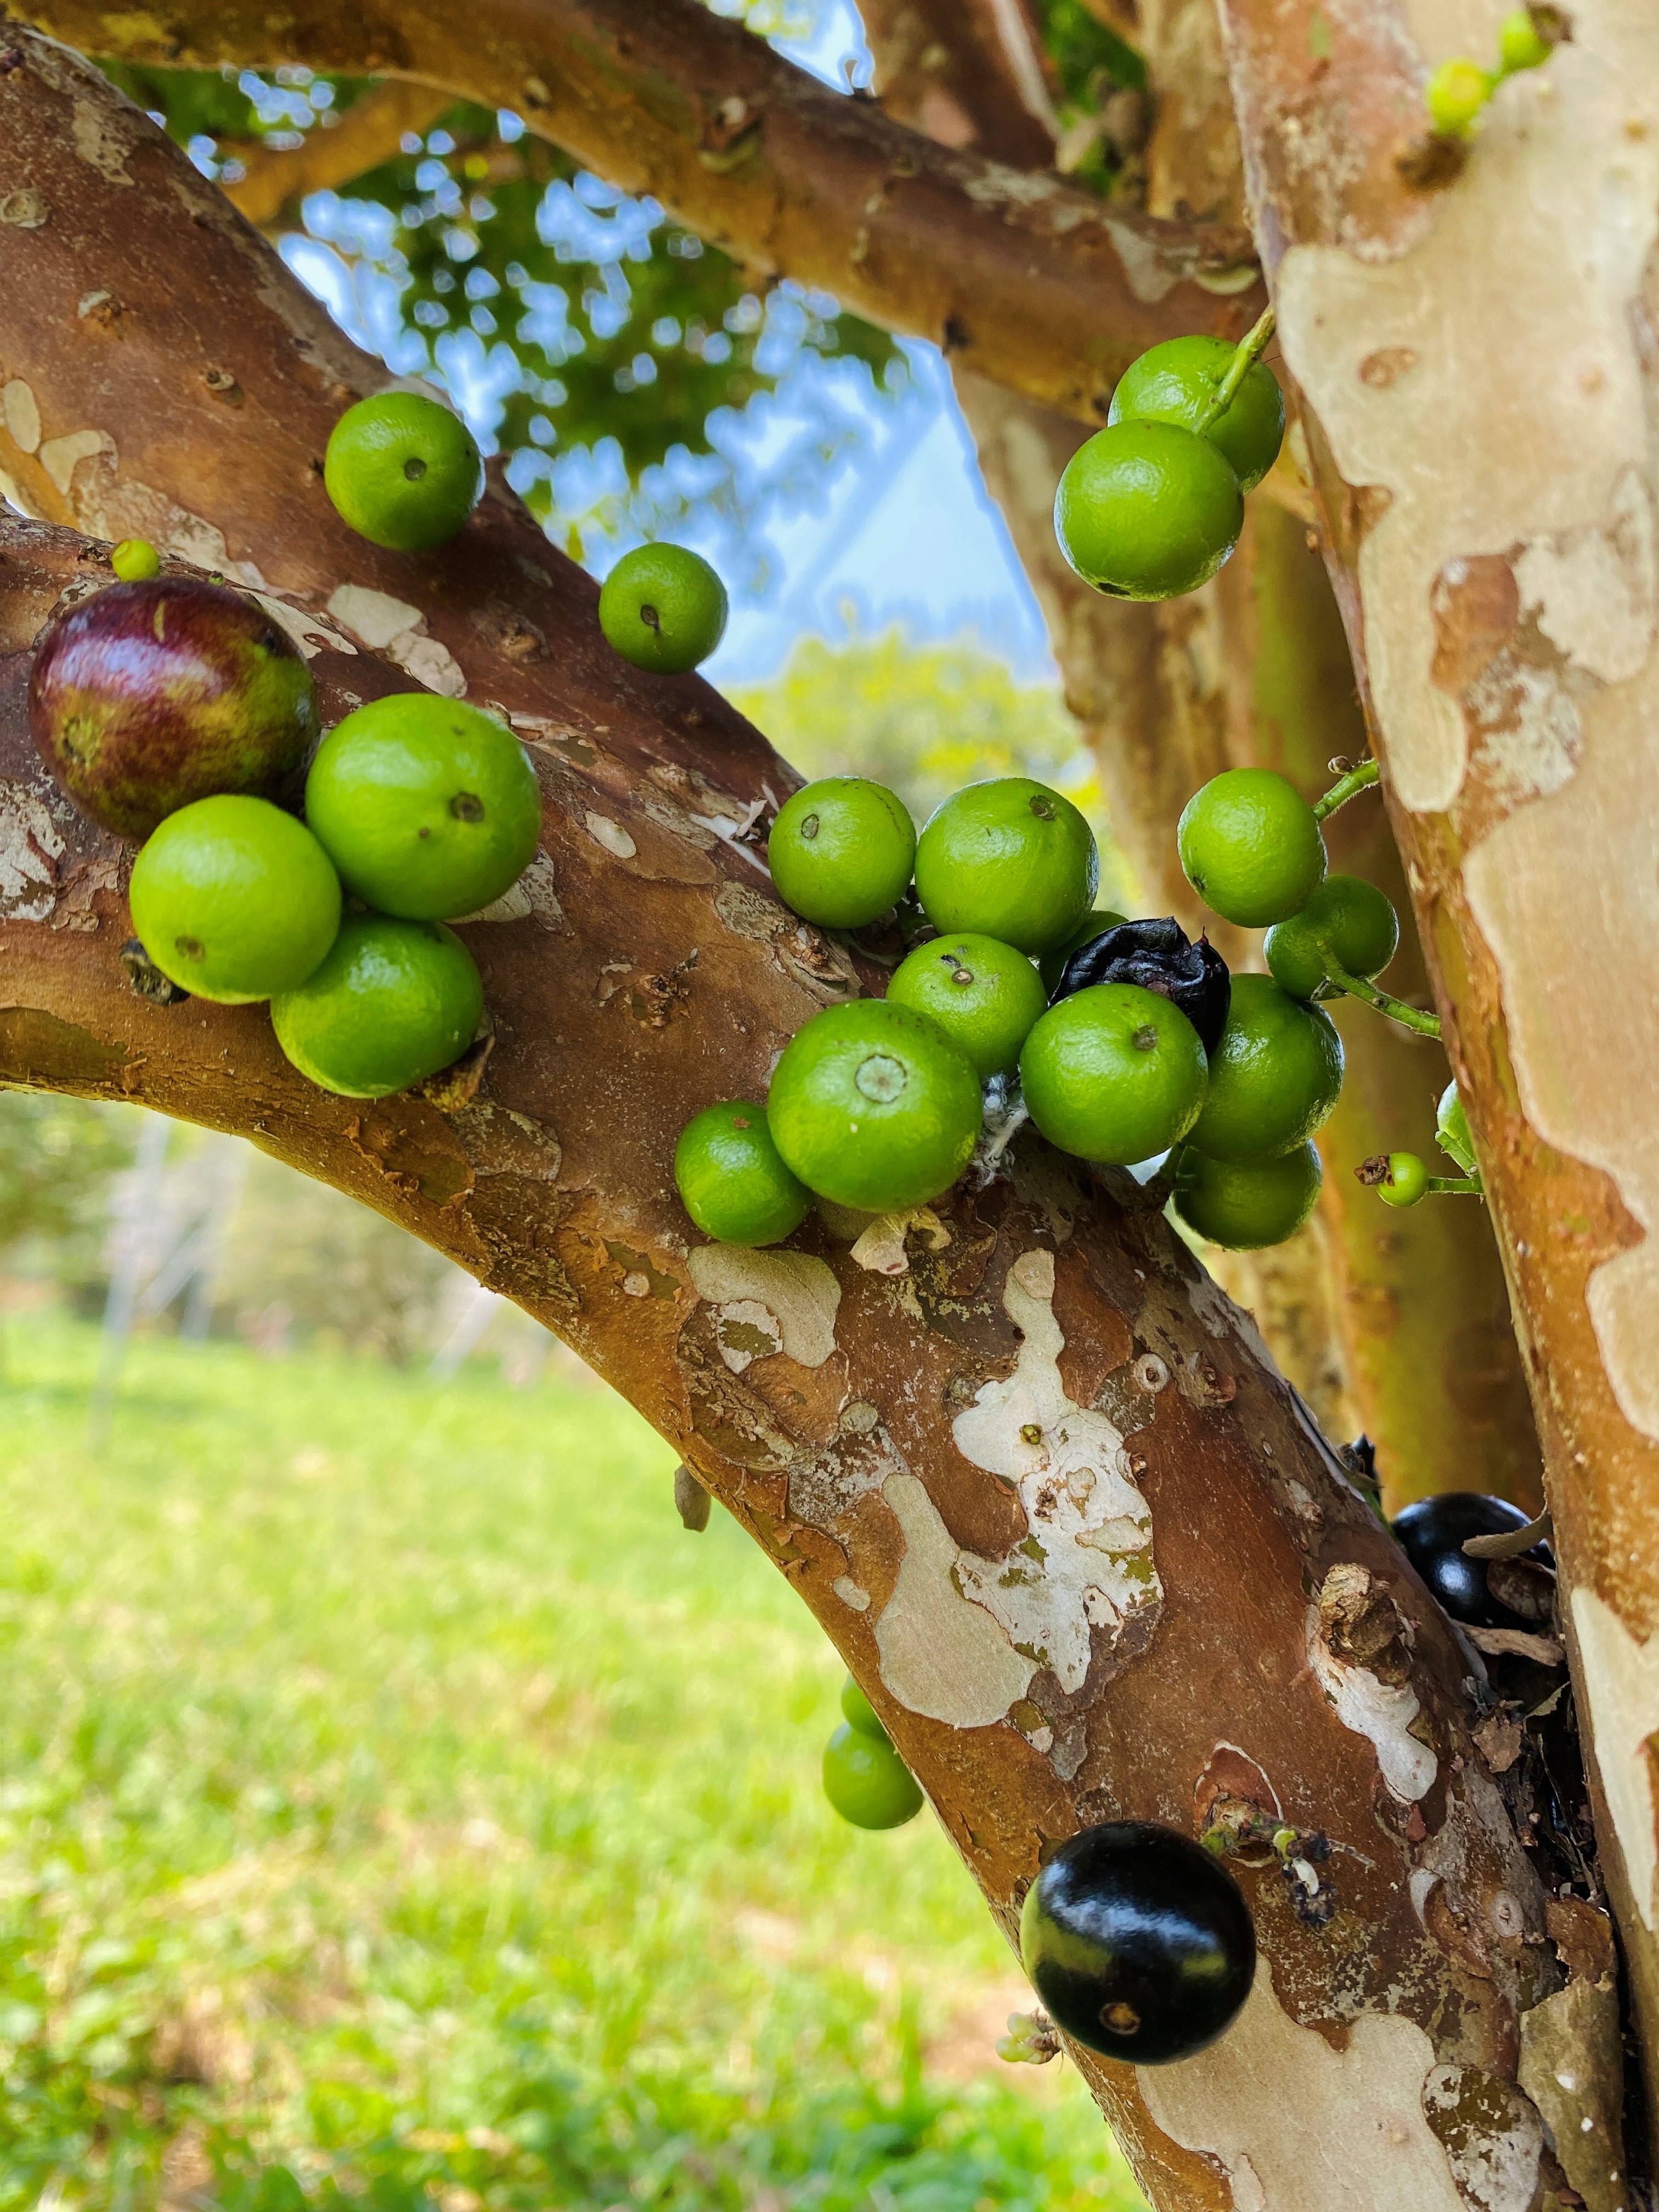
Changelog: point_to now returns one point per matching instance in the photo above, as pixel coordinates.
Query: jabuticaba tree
(1083, 1550)
(1396, 1324)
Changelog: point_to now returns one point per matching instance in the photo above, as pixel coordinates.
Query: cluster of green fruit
(1152, 505)
(174, 712)
(1126, 1040)
(1459, 89)
(864, 1777)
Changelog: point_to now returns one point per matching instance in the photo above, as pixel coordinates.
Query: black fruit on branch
(1160, 956)
(1138, 1941)
(153, 694)
(1432, 1532)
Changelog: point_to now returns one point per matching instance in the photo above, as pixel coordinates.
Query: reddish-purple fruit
(153, 694)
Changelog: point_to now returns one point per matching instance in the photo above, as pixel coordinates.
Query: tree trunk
(1205, 1612)
(1396, 1325)
(1481, 368)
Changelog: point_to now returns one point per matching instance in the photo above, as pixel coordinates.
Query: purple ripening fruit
(153, 694)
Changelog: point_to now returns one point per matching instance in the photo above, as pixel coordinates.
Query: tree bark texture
(1479, 363)
(1047, 289)
(1032, 1471)
(1396, 1325)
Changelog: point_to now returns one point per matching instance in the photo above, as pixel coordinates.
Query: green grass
(398, 1809)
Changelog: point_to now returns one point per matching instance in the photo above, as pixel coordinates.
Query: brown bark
(1044, 289)
(1396, 1325)
(1477, 362)
(1201, 1602)
(946, 71)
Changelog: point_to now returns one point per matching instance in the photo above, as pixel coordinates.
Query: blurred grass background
(400, 1809)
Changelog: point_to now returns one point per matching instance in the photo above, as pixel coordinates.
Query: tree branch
(1477, 381)
(1203, 1607)
(273, 181)
(1048, 290)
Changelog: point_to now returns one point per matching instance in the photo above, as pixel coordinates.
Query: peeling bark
(1480, 365)
(1046, 290)
(1171, 1594)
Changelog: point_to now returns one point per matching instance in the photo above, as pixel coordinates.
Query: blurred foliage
(587, 320)
(400, 1813)
(1090, 63)
(925, 720)
(57, 1159)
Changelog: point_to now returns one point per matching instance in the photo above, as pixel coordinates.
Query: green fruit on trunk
(1008, 859)
(731, 1179)
(1114, 1073)
(402, 470)
(1148, 511)
(1275, 1075)
(1246, 1208)
(1179, 381)
(984, 995)
(233, 900)
(393, 1002)
(1250, 846)
(1347, 924)
(841, 851)
(663, 608)
(867, 1781)
(873, 1106)
(428, 809)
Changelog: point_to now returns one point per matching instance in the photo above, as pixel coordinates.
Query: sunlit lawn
(398, 1808)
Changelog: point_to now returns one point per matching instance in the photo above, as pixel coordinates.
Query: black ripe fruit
(1139, 1943)
(1432, 1532)
(1160, 957)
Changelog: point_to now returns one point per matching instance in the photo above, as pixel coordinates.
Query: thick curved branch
(1041, 1488)
(1046, 289)
(1481, 383)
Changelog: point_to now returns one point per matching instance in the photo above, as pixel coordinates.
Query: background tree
(1460, 1995)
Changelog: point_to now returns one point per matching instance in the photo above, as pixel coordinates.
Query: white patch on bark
(1493, 2160)
(746, 1331)
(311, 633)
(850, 1594)
(61, 456)
(797, 1292)
(22, 415)
(880, 1249)
(1383, 1711)
(1085, 1567)
(941, 1656)
(397, 630)
(29, 845)
(99, 139)
(611, 836)
(1304, 2128)
(1144, 263)
(1621, 1698)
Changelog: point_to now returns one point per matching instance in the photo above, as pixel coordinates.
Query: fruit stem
(1461, 1186)
(1246, 354)
(1350, 785)
(1410, 1018)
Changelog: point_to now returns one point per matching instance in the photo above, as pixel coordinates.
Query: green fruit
(1519, 45)
(663, 608)
(234, 900)
(1456, 95)
(841, 850)
(1052, 966)
(135, 560)
(732, 1181)
(1275, 1076)
(1114, 1073)
(1007, 859)
(867, 1783)
(1245, 1208)
(428, 808)
(1147, 511)
(1347, 923)
(984, 995)
(1451, 1129)
(402, 470)
(1250, 847)
(873, 1106)
(861, 1713)
(393, 1003)
(1178, 381)
(1406, 1180)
